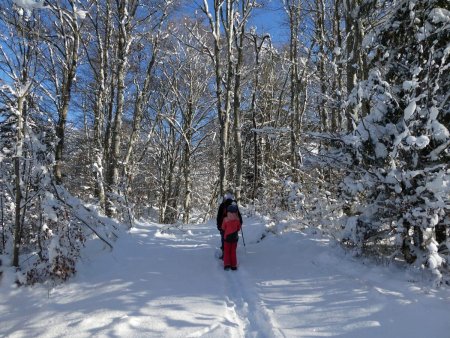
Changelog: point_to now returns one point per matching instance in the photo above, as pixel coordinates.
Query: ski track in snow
(244, 301)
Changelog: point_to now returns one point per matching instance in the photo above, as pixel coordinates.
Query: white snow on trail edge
(166, 282)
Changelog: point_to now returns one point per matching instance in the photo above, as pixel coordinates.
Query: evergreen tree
(401, 155)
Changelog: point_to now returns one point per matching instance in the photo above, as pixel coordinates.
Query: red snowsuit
(231, 225)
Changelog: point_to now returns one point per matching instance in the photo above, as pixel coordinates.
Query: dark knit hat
(232, 208)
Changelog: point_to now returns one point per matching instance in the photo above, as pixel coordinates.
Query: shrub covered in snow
(43, 227)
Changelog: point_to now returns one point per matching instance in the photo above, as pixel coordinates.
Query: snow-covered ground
(169, 284)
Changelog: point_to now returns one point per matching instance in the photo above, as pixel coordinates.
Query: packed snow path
(169, 284)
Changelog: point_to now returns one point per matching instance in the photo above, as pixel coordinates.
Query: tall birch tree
(222, 9)
(63, 51)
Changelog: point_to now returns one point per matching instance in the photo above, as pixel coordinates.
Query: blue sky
(268, 19)
(271, 19)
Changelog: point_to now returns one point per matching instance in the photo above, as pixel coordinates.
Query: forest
(117, 110)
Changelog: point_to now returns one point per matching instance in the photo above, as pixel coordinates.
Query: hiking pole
(243, 239)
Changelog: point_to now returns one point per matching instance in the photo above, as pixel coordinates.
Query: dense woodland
(115, 110)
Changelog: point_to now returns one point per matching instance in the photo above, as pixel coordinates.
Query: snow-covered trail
(325, 293)
(170, 285)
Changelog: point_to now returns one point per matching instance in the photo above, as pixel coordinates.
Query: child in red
(231, 225)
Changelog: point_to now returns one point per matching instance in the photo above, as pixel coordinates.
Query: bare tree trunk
(18, 182)
(223, 114)
(127, 10)
(257, 49)
(2, 217)
(109, 121)
(320, 33)
(441, 233)
(355, 35)
(98, 153)
(187, 163)
(237, 104)
(293, 9)
(71, 46)
(167, 216)
(229, 91)
(171, 189)
(173, 200)
(336, 113)
(102, 53)
(351, 58)
(16, 103)
(97, 140)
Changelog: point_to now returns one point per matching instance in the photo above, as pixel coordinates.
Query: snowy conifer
(402, 177)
